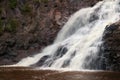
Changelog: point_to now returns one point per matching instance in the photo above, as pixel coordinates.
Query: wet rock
(111, 28)
(10, 42)
(58, 17)
(93, 17)
(60, 52)
(41, 61)
(111, 50)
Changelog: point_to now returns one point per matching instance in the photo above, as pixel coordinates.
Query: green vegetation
(11, 26)
(0, 10)
(12, 4)
(44, 1)
(26, 8)
(41, 1)
(0, 22)
(38, 1)
(1, 26)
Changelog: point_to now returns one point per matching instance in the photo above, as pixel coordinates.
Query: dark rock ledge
(111, 47)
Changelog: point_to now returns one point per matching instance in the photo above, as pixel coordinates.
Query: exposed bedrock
(111, 47)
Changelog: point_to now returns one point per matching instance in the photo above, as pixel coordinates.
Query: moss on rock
(41, 1)
(1, 27)
(12, 4)
(26, 8)
(11, 25)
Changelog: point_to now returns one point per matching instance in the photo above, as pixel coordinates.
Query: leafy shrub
(11, 26)
(0, 11)
(12, 4)
(43, 1)
(1, 26)
(38, 1)
(26, 8)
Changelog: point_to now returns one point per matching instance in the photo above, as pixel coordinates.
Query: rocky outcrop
(27, 26)
(111, 47)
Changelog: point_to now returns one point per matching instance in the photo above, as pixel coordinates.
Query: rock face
(27, 26)
(111, 47)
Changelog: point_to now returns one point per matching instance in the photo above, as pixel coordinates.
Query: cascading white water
(77, 44)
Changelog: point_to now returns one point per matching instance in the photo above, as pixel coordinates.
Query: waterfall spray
(77, 44)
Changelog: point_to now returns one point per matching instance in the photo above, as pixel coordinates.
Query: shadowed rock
(111, 47)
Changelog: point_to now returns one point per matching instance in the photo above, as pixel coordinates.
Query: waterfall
(78, 43)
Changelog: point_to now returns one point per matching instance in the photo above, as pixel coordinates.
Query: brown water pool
(26, 73)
